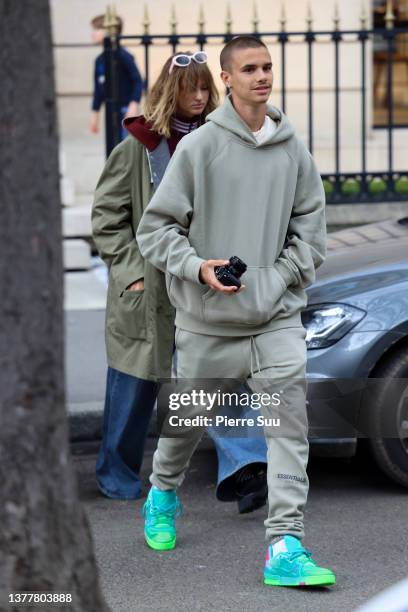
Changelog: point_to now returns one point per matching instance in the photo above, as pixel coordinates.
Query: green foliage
(377, 186)
(401, 185)
(350, 187)
(328, 188)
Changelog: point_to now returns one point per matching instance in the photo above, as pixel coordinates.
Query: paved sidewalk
(85, 357)
(355, 523)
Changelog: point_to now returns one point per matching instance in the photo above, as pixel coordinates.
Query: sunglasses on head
(183, 60)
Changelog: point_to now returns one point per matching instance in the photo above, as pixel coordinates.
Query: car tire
(388, 411)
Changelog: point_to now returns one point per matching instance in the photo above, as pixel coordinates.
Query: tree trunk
(45, 541)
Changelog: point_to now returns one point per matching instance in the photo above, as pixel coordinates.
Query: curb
(85, 421)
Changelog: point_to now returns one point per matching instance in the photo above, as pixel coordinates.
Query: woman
(139, 317)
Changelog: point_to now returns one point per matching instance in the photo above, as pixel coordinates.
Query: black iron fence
(364, 185)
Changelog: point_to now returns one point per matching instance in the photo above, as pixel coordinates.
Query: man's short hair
(239, 42)
(97, 23)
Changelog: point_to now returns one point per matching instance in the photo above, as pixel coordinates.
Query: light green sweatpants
(271, 362)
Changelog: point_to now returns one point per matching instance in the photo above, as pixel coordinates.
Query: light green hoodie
(222, 195)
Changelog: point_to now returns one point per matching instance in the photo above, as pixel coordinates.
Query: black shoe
(251, 487)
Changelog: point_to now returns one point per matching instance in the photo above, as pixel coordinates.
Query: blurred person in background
(129, 80)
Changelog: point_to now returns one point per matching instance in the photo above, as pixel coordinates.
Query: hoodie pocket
(259, 302)
(184, 295)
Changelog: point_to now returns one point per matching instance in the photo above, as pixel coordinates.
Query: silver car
(357, 337)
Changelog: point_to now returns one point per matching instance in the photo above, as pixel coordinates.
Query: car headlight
(327, 323)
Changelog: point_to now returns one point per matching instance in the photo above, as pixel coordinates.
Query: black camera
(230, 274)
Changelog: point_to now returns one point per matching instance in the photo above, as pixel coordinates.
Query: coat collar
(142, 131)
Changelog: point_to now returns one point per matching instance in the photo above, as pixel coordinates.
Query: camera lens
(237, 266)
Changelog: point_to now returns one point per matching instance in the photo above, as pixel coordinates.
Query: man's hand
(94, 123)
(207, 276)
(133, 109)
(136, 286)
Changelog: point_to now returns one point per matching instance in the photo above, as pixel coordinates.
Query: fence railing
(363, 185)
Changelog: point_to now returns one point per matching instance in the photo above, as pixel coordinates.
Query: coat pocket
(130, 317)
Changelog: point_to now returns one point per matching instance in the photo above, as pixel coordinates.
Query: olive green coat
(139, 324)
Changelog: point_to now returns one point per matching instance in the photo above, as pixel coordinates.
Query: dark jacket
(129, 80)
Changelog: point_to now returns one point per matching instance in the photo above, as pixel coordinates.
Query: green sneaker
(160, 510)
(287, 563)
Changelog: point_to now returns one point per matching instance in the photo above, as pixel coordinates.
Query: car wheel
(388, 417)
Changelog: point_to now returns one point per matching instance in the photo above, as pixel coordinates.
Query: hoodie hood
(227, 117)
(142, 131)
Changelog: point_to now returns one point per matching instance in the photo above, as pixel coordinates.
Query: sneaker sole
(253, 501)
(160, 545)
(310, 581)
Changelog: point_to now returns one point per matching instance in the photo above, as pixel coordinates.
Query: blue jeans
(235, 452)
(129, 404)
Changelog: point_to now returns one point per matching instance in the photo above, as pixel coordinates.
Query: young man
(243, 185)
(130, 81)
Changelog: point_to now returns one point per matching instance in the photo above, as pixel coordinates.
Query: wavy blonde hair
(161, 103)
